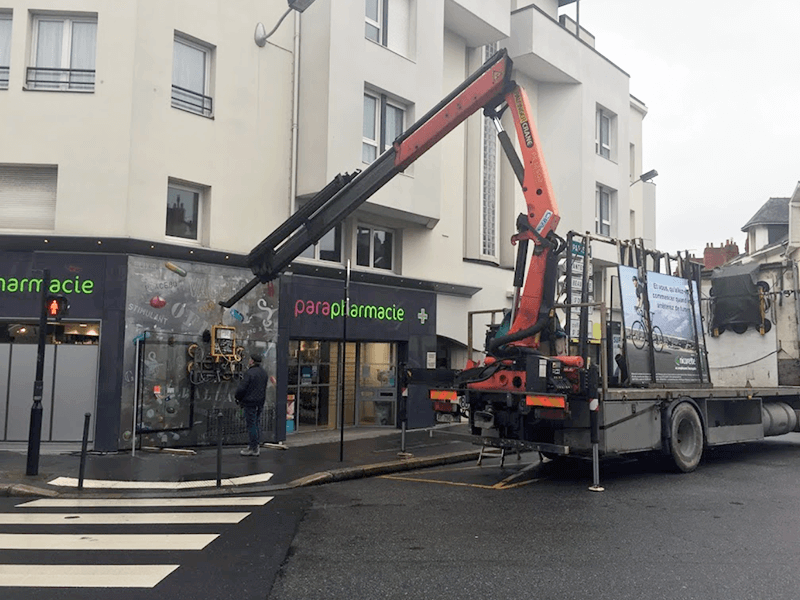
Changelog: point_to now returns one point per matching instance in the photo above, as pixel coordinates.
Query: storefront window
(315, 386)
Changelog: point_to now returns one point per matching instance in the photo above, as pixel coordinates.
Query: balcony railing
(3, 78)
(191, 101)
(79, 80)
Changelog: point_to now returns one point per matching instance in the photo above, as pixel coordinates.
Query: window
(376, 138)
(489, 179)
(602, 220)
(603, 123)
(183, 211)
(387, 22)
(28, 197)
(5, 49)
(63, 54)
(329, 247)
(374, 247)
(374, 21)
(191, 69)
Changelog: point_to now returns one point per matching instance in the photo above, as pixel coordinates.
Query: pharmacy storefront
(335, 355)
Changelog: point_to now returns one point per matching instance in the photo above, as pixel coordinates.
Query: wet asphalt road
(730, 530)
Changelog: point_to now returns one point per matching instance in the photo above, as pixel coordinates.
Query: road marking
(84, 576)
(144, 502)
(422, 480)
(132, 541)
(176, 518)
(505, 484)
(159, 485)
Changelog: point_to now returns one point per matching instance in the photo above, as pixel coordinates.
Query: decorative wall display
(170, 308)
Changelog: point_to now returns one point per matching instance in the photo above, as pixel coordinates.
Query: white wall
(116, 148)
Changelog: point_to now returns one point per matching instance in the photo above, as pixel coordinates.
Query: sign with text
(79, 278)
(672, 329)
(377, 313)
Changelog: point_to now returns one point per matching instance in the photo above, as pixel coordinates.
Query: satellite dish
(260, 35)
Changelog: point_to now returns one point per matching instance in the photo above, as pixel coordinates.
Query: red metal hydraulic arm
(345, 193)
(540, 221)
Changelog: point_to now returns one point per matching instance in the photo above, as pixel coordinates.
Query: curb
(320, 478)
(26, 491)
(377, 469)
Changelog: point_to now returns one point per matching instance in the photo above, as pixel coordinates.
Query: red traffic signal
(56, 307)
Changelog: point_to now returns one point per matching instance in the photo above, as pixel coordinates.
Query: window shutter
(28, 197)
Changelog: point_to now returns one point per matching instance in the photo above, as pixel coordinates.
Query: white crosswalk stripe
(171, 512)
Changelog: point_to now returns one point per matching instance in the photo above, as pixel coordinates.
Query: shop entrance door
(377, 384)
(315, 388)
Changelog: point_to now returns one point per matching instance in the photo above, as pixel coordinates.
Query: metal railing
(41, 78)
(191, 101)
(3, 78)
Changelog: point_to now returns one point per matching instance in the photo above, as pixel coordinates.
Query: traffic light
(57, 307)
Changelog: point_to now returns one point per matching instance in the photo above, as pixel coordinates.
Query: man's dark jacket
(252, 390)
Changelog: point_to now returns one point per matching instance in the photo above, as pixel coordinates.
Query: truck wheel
(686, 438)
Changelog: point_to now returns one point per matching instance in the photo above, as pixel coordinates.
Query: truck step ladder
(500, 451)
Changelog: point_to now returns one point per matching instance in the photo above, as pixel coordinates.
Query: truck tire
(686, 438)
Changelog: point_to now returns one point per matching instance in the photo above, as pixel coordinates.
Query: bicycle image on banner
(670, 322)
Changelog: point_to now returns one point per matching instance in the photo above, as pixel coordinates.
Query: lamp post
(35, 430)
(261, 36)
(646, 177)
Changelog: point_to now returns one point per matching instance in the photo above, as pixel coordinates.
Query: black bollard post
(219, 449)
(84, 446)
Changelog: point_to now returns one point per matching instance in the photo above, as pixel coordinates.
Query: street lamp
(261, 36)
(647, 176)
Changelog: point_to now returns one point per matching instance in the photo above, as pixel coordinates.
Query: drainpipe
(791, 249)
(295, 112)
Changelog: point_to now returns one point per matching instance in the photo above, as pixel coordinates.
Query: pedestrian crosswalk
(74, 533)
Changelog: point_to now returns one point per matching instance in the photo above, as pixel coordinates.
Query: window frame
(202, 195)
(208, 57)
(66, 20)
(603, 147)
(372, 229)
(317, 254)
(489, 248)
(5, 70)
(380, 24)
(599, 222)
(381, 144)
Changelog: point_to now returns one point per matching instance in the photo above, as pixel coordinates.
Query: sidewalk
(307, 459)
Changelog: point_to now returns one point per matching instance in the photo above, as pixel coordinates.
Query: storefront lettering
(57, 286)
(357, 311)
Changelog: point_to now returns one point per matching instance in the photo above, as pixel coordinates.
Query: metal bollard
(84, 446)
(219, 449)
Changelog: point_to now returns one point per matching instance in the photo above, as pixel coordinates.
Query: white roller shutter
(28, 197)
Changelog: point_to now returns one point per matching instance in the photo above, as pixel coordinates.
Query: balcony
(191, 101)
(59, 80)
(3, 78)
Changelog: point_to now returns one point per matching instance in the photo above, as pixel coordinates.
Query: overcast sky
(721, 80)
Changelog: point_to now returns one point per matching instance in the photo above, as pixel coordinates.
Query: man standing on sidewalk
(251, 394)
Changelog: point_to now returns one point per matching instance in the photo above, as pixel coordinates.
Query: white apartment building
(149, 146)
(445, 224)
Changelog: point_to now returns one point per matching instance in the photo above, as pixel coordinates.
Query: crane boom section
(542, 218)
(486, 87)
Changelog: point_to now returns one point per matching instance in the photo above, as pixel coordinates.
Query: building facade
(150, 146)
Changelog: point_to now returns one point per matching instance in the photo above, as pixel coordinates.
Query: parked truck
(570, 375)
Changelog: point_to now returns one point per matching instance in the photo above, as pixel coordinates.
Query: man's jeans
(252, 419)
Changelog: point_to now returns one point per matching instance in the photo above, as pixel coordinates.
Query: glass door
(315, 385)
(377, 384)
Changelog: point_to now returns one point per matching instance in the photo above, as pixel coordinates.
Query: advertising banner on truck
(672, 330)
